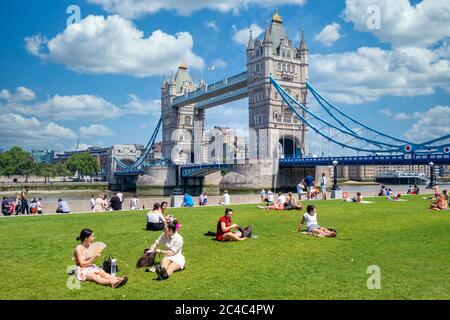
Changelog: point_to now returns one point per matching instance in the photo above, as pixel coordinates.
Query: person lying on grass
(357, 198)
(397, 197)
(225, 228)
(86, 270)
(310, 217)
(173, 258)
(290, 204)
(440, 203)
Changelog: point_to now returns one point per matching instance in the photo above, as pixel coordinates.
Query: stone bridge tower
(178, 122)
(276, 127)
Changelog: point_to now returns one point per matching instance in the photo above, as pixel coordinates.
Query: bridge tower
(178, 122)
(274, 123)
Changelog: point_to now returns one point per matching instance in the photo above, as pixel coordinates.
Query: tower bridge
(276, 85)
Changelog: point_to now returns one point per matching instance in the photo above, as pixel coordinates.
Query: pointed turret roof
(267, 37)
(303, 45)
(251, 45)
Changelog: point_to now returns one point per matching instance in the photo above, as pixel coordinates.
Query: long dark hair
(156, 206)
(85, 233)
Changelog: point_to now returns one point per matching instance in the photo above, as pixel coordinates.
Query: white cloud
(78, 107)
(211, 24)
(431, 124)
(241, 36)
(31, 132)
(115, 46)
(218, 63)
(96, 130)
(329, 35)
(137, 8)
(396, 116)
(22, 94)
(139, 106)
(403, 24)
(370, 73)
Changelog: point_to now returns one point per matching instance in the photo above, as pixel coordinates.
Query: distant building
(232, 145)
(127, 153)
(43, 156)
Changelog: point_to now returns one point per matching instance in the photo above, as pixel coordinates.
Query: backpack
(147, 259)
(107, 265)
(246, 232)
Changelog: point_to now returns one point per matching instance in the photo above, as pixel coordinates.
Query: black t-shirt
(116, 204)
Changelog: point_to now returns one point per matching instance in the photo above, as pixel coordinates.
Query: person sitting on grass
(310, 217)
(155, 219)
(86, 270)
(188, 201)
(173, 258)
(440, 203)
(6, 207)
(225, 228)
(291, 203)
(62, 207)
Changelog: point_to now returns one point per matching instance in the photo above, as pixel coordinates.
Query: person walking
(323, 186)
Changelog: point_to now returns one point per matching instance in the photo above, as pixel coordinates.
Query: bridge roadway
(224, 91)
(201, 170)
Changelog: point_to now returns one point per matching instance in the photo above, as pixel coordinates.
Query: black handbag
(107, 265)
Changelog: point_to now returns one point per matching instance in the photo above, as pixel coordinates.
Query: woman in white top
(155, 219)
(100, 204)
(310, 217)
(173, 258)
(134, 203)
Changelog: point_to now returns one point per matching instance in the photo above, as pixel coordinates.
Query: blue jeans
(24, 206)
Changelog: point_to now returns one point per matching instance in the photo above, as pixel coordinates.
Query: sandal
(121, 282)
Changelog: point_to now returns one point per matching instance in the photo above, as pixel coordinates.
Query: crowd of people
(171, 242)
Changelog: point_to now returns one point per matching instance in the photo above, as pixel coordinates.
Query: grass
(406, 240)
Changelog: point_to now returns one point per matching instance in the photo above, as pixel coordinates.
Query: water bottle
(113, 267)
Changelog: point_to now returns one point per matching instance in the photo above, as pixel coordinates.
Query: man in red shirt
(225, 227)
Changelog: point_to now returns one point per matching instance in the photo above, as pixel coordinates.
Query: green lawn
(407, 241)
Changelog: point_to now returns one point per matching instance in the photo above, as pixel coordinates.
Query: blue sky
(103, 87)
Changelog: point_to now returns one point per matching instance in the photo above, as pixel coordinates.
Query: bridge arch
(289, 146)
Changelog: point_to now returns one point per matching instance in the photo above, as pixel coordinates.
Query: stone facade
(271, 119)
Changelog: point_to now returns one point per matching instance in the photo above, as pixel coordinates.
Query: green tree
(17, 162)
(45, 170)
(83, 164)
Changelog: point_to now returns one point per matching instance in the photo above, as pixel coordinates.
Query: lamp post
(335, 184)
(336, 192)
(432, 182)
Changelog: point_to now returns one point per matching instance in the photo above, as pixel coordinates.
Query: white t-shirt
(226, 198)
(134, 203)
(155, 217)
(270, 197)
(324, 181)
(92, 203)
(310, 220)
(282, 199)
(176, 245)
